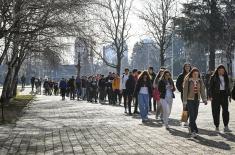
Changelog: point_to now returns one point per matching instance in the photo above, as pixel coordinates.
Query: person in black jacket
(94, 86)
(166, 88)
(72, 88)
(179, 83)
(144, 90)
(130, 88)
(102, 87)
(152, 76)
(219, 95)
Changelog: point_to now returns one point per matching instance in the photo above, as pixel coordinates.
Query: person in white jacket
(124, 78)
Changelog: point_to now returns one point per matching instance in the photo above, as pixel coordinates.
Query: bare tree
(113, 28)
(158, 16)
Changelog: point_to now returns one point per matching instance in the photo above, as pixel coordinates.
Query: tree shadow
(201, 140)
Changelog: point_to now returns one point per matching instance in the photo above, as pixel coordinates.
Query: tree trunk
(162, 58)
(119, 64)
(7, 81)
(211, 56)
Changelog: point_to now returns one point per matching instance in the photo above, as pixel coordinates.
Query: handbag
(156, 94)
(184, 116)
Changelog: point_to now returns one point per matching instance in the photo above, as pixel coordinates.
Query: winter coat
(63, 84)
(130, 85)
(162, 88)
(188, 90)
(179, 82)
(142, 83)
(214, 88)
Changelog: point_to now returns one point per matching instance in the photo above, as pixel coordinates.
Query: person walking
(84, 86)
(179, 84)
(130, 88)
(152, 76)
(116, 89)
(193, 91)
(63, 88)
(94, 86)
(144, 90)
(166, 89)
(78, 87)
(23, 80)
(155, 86)
(72, 88)
(102, 86)
(123, 87)
(219, 94)
(136, 74)
(32, 83)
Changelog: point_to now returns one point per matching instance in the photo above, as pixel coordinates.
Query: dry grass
(15, 109)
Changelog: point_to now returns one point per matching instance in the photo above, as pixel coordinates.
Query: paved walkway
(51, 126)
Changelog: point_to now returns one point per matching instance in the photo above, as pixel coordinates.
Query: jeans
(193, 106)
(166, 107)
(159, 110)
(83, 93)
(143, 100)
(220, 101)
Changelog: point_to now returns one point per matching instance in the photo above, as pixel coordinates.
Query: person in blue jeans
(193, 91)
(144, 90)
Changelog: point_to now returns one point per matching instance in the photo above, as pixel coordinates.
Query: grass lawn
(14, 110)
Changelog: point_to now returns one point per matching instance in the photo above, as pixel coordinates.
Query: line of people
(148, 91)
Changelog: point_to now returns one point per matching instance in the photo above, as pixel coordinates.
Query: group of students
(143, 87)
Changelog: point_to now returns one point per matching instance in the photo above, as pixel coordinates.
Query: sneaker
(226, 129)
(194, 135)
(167, 127)
(125, 111)
(189, 130)
(186, 124)
(217, 129)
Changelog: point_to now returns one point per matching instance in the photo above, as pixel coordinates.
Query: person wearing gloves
(193, 91)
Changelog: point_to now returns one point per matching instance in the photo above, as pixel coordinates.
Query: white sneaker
(186, 124)
(194, 135)
(226, 129)
(167, 127)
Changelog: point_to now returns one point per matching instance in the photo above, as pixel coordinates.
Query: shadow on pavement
(153, 123)
(201, 140)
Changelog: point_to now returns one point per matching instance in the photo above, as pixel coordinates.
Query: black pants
(102, 94)
(72, 94)
(129, 103)
(193, 106)
(63, 91)
(117, 96)
(136, 104)
(150, 103)
(110, 95)
(221, 100)
(94, 95)
(124, 94)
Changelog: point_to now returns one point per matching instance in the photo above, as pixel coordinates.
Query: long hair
(141, 77)
(190, 74)
(159, 73)
(184, 71)
(216, 74)
(164, 73)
